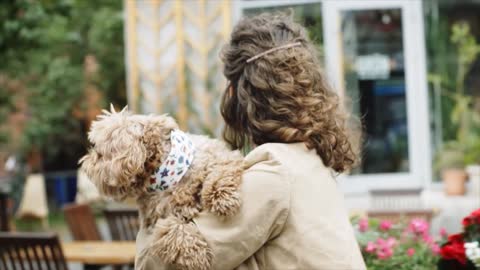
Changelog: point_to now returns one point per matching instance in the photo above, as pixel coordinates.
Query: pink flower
(410, 252)
(363, 225)
(418, 226)
(435, 248)
(389, 242)
(405, 234)
(371, 247)
(384, 247)
(384, 253)
(443, 232)
(385, 225)
(427, 239)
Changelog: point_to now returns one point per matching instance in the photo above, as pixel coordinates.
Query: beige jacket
(293, 217)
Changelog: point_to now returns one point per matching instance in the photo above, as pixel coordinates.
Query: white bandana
(177, 163)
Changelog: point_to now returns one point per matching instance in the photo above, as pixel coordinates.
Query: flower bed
(408, 244)
(403, 245)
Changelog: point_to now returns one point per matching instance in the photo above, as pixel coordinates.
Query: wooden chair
(81, 222)
(123, 223)
(4, 215)
(31, 251)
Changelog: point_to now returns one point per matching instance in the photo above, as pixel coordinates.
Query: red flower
(467, 221)
(473, 218)
(475, 213)
(456, 238)
(454, 249)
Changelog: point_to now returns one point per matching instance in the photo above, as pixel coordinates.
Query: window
(372, 42)
(448, 78)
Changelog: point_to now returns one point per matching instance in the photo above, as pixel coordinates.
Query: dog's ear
(88, 162)
(114, 177)
(118, 154)
(130, 161)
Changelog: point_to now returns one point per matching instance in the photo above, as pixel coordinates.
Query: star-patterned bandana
(177, 163)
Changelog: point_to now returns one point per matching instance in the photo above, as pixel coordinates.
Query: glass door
(375, 55)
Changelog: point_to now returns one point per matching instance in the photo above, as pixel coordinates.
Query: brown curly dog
(127, 149)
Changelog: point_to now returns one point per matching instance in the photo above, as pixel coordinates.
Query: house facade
(380, 55)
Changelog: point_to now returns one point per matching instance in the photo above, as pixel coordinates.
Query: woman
(293, 215)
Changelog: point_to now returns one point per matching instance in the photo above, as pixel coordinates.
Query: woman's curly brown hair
(282, 96)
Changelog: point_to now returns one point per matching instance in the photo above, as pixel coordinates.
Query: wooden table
(99, 252)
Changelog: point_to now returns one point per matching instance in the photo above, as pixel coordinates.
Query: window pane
(453, 78)
(375, 81)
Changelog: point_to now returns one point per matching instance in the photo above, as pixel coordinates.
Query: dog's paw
(181, 244)
(221, 197)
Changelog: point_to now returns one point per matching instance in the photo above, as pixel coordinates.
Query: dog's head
(125, 151)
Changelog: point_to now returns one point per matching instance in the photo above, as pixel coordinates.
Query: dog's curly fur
(127, 149)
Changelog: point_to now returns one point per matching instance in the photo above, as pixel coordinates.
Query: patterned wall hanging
(172, 59)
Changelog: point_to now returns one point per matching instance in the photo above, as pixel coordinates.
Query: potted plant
(450, 163)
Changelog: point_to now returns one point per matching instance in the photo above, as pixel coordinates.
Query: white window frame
(419, 146)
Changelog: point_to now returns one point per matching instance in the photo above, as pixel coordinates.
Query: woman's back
(316, 233)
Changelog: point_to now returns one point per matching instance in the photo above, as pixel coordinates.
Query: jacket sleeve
(265, 195)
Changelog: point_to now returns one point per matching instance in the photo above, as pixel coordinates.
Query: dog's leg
(220, 193)
(152, 206)
(180, 244)
(184, 199)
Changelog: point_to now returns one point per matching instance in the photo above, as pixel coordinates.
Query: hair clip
(253, 58)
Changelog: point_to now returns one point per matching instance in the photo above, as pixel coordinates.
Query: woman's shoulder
(265, 170)
(278, 152)
(287, 162)
(272, 164)
(282, 156)
(269, 158)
